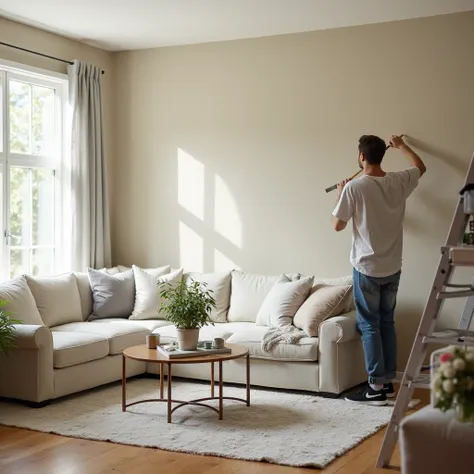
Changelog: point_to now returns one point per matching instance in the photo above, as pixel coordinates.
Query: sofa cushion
(113, 295)
(206, 333)
(325, 301)
(305, 350)
(85, 292)
(148, 324)
(20, 301)
(283, 301)
(57, 298)
(147, 292)
(219, 284)
(120, 336)
(73, 348)
(248, 292)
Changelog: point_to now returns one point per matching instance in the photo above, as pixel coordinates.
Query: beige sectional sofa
(60, 350)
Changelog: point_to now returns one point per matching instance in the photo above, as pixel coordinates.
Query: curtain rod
(38, 54)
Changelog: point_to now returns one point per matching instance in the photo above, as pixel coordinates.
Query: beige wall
(59, 46)
(224, 150)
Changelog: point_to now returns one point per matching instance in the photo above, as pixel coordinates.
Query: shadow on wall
(210, 226)
(456, 162)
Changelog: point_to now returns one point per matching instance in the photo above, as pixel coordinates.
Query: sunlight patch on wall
(222, 263)
(191, 249)
(190, 184)
(226, 214)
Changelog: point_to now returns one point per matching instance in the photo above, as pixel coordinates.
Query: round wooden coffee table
(144, 354)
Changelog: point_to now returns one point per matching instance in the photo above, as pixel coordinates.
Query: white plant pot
(187, 339)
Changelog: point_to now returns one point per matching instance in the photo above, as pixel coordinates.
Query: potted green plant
(188, 306)
(7, 330)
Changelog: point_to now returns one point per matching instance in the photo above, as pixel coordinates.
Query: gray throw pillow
(113, 295)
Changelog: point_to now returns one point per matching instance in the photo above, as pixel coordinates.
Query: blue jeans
(375, 300)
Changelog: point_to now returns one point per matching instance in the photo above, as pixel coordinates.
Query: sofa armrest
(27, 372)
(339, 329)
(28, 336)
(341, 359)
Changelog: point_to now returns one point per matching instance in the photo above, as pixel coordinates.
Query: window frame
(58, 161)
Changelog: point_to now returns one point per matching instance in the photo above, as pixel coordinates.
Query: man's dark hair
(373, 149)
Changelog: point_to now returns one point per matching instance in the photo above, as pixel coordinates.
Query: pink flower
(445, 357)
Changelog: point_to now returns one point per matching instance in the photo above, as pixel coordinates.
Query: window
(31, 172)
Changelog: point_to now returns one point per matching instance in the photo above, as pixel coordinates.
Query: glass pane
(20, 206)
(43, 206)
(43, 121)
(19, 262)
(20, 117)
(42, 260)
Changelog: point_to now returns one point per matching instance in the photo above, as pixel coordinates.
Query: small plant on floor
(7, 330)
(453, 383)
(188, 306)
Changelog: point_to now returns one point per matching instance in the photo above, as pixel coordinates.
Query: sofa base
(37, 404)
(302, 376)
(26, 403)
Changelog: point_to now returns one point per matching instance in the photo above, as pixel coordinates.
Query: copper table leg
(248, 379)
(212, 379)
(221, 404)
(169, 392)
(161, 381)
(124, 384)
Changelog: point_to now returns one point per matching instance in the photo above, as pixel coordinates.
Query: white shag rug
(279, 427)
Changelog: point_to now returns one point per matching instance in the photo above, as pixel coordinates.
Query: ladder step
(444, 295)
(423, 381)
(453, 337)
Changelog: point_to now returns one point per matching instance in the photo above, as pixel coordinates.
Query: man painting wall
(376, 204)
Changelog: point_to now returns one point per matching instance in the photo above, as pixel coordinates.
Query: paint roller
(333, 187)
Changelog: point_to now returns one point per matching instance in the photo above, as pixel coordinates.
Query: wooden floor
(30, 452)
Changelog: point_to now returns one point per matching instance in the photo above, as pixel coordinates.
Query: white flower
(436, 383)
(470, 356)
(448, 386)
(449, 372)
(459, 364)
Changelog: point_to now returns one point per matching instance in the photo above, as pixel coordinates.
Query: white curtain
(90, 227)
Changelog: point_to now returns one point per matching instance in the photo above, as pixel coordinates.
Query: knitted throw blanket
(284, 334)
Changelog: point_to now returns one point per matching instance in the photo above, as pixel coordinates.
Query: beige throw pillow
(20, 301)
(283, 301)
(57, 298)
(324, 301)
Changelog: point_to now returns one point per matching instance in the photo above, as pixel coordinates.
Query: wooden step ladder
(453, 254)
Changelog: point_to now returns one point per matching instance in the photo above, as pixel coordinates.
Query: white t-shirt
(377, 208)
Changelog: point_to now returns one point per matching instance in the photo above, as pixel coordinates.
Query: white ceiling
(136, 24)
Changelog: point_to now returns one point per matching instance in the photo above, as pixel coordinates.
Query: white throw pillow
(20, 301)
(283, 301)
(248, 292)
(57, 298)
(147, 297)
(219, 284)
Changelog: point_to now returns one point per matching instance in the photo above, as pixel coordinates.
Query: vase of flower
(453, 383)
